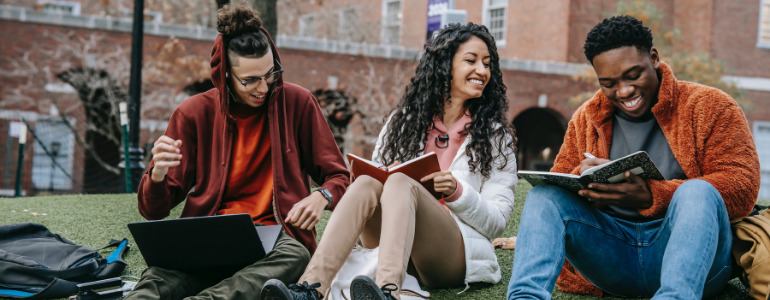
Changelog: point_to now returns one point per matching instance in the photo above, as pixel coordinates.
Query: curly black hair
(425, 96)
(616, 32)
(241, 31)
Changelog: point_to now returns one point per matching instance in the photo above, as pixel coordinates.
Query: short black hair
(616, 32)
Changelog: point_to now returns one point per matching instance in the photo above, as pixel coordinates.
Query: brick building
(369, 49)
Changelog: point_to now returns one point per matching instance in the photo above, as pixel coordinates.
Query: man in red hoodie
(249, 145)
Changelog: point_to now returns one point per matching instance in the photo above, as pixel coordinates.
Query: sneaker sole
(275, 290)
(364, 288)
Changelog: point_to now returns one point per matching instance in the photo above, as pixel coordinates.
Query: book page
(371, 162)
(411, 161)
(361, 166)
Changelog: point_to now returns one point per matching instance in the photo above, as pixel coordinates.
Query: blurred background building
(66, 65)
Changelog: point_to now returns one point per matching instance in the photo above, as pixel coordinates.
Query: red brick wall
(414, 25)
(312, 69)
(537, 30)
(734, 38)
(694, 20)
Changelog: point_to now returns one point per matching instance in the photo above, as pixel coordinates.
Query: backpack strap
(120, 250)
(114, 265)
(56, 289)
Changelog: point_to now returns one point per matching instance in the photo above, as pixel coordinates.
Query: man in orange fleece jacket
(640, 238)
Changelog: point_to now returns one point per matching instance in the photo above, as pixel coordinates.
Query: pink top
(445, 144)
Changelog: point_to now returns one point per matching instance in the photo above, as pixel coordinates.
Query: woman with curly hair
(247, 146)
(454, 106)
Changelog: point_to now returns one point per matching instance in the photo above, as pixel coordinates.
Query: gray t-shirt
(629, 136)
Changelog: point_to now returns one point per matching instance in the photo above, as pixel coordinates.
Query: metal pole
(136, 168)
(126, 153)
(22, 141)
(8, 157)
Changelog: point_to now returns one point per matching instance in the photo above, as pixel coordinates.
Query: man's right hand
(165, 154)
(591, 162)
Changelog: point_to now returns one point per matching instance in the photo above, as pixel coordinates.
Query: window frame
(50, 7)
(306, 28)
(763, 41)
(345, 27)
(386, 24)
(487, 20)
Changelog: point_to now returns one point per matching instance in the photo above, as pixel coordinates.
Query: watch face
(326, 194)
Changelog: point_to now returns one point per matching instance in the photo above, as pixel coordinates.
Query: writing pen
(589, 155)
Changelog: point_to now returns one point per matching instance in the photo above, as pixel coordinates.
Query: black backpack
(38, 264)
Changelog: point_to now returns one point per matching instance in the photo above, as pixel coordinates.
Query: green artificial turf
(93, 220)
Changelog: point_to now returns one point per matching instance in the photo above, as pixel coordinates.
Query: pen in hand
(589, 155)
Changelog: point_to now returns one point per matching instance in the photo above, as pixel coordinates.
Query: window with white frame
(764, 25)
(495, 13)
(391, 22)
(61, 7)
(348, 25)
(307, 25)
(761, 135)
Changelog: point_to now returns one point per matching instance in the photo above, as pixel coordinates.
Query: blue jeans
(685, 255)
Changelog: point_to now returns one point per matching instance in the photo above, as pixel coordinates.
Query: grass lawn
(93, 220)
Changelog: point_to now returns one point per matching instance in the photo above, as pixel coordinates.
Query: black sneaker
(364, 288)
(274, 289)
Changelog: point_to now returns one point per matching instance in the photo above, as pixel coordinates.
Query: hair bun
(233, 22)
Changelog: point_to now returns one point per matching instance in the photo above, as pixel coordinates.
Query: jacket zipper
(273, 135)
(228, 149)
(602, 142)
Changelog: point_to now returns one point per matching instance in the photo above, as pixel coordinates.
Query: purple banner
(435, 9)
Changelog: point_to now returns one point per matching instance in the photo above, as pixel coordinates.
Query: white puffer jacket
(482, 211)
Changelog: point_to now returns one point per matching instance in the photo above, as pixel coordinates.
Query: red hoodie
(302, 148)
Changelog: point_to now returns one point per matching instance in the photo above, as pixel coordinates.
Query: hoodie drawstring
(285, 123)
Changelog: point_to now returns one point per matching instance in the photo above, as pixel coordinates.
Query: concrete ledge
(349, 48)
(749, 83)
(22, 14)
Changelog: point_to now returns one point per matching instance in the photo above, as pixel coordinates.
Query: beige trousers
(405, 221)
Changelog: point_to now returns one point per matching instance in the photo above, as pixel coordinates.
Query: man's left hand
(306, 213)
(634, 193)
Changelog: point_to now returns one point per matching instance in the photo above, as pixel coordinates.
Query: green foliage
(697, 67)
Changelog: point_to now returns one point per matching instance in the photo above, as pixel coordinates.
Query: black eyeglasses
(269, 78)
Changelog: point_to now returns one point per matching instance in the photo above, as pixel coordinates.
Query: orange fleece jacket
(708, 135)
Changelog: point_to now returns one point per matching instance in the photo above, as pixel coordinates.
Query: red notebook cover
(415, 168)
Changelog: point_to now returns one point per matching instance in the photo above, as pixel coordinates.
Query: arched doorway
(540, 132)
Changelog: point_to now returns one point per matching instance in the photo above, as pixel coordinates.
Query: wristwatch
(327, 195)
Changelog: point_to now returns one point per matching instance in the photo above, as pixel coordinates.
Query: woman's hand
(443, 182)
(505, 243)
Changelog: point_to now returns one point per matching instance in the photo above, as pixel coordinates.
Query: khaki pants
(285, 263)
(405, 221)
